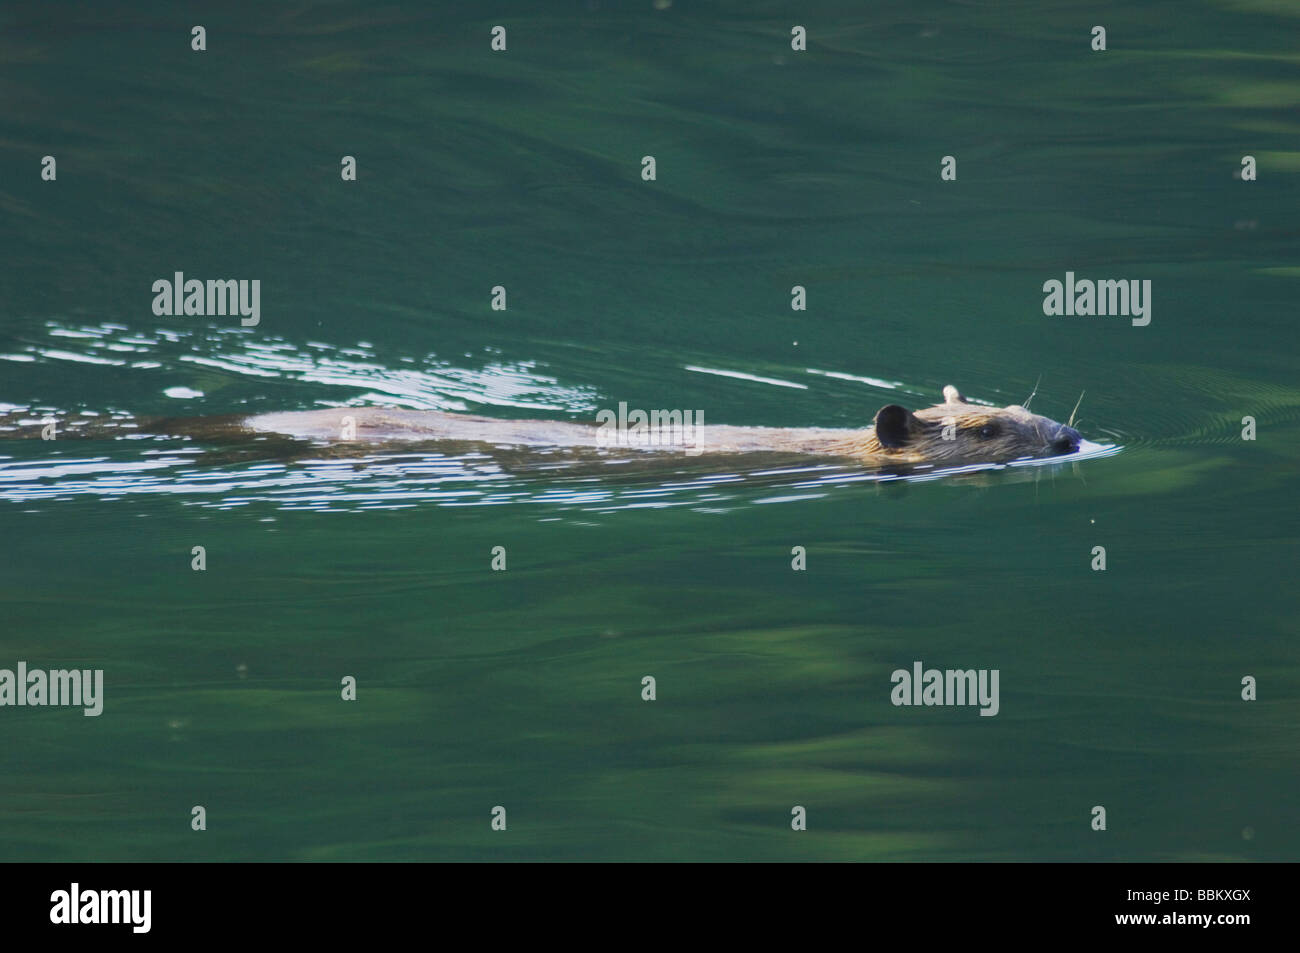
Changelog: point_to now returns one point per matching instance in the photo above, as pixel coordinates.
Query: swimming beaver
(952, 432)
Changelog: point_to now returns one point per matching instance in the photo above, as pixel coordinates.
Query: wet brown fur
(957, 431)
(951, 433)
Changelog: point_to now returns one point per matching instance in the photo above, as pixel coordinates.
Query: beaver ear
(893, 425)
(952, 395)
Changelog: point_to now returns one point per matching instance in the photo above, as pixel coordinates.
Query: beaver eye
(989, 431)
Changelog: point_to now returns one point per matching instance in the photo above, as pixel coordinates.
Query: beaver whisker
(1070, 422)
(1033, 393)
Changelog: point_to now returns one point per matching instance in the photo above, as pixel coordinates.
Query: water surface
(523, 688)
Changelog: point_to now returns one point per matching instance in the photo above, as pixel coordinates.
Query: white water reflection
(388, 480)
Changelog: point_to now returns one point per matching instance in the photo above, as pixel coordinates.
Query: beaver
(955, 432)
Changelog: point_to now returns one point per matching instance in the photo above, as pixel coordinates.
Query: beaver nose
(1066, 440)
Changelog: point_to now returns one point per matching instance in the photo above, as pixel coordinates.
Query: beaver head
(959, 432)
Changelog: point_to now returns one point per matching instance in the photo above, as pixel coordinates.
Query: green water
(523, 688)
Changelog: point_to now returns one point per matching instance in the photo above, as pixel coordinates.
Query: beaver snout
(1065, 440)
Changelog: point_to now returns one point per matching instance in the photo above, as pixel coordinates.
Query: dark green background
(775, 168)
